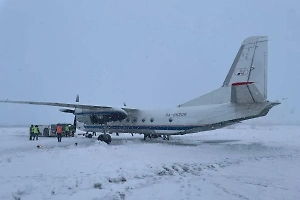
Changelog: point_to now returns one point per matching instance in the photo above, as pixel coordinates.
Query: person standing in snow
(67, 130)
(59, 132)
(31, 132)
(36, 132)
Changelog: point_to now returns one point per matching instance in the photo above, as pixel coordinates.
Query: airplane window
(151, 120)
(143, 120)
(170, 119)
(127, 120)
(134, 119)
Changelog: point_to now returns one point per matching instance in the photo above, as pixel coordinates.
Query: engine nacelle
(101, 116)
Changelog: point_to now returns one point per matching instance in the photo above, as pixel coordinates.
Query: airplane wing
(68, 105)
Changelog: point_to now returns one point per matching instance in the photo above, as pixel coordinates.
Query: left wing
(68, 105)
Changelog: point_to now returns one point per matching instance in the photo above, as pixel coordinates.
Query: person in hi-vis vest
(36, 132)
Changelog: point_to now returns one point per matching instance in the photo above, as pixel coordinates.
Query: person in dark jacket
(31, 132)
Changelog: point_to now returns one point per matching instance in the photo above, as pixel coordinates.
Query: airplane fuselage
(175, 121)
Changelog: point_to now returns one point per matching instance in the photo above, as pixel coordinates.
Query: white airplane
(242, 96)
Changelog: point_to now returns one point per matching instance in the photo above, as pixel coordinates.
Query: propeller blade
(75, 122)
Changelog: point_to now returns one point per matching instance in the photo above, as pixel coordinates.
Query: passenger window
(127, 119)
(134, 119)
(143, 120)
(151, 120)
(170, 119)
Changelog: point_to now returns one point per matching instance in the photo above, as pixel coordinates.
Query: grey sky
(150, 54)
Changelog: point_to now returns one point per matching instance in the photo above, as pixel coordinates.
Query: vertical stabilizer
(250, 64)
(246, 80)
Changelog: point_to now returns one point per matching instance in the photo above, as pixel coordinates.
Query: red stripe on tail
(241, 83)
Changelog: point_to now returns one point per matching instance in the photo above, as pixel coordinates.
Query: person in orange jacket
(59, 131)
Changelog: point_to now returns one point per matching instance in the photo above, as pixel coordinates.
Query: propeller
(65, 110)
(75, 121)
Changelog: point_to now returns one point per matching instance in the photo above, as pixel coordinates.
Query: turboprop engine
(103, 116)
(96, 114)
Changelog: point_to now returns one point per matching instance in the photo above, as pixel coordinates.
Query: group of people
(60, 131)
(34, 132)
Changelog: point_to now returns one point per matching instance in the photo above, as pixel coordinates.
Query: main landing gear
(105, 138)
(164, 137)
(102, 137)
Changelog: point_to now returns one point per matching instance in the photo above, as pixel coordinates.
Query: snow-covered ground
(242, 163)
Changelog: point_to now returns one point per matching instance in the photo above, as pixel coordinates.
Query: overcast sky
(149, 54)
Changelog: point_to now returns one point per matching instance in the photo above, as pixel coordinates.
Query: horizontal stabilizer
(220, 95)
(245, 92)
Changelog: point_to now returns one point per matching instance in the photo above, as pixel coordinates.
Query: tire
(108, 139)
(104, 138)
(101, 137)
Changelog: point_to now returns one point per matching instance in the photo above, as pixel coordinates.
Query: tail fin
(247, 75)
(250, 64)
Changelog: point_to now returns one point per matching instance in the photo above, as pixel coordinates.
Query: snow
(243, 162)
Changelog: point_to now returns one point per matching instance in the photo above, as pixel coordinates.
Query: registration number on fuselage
(176, 114)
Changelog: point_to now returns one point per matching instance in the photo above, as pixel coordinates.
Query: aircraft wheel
(108, 138)
(146, 135)
(105, 138)
(101, 137)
